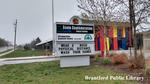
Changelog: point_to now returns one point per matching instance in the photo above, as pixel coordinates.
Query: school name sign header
(67, 32)
(73, 39)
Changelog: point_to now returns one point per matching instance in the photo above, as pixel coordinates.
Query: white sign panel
(75, 37)
(78, 48)
(74, 40)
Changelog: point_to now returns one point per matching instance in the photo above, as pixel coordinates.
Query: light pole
(53, 26)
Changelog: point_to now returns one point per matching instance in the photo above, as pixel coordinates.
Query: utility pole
(15, 34)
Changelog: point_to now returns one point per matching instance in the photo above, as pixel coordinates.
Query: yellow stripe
(124, 32)
(107, 41)
(114, 31)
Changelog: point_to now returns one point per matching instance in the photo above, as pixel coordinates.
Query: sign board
(74, 40)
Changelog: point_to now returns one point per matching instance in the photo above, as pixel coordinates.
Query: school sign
(74, 44)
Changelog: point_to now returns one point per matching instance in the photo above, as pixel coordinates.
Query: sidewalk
(22, 60)
(5, 53)
(2, 49)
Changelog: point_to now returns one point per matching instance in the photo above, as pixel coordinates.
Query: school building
(117, 36)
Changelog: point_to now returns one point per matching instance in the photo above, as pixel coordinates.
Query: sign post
(74, 44)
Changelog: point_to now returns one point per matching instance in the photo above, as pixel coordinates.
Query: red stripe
(96, 43)
(102, 43)
(115, 43)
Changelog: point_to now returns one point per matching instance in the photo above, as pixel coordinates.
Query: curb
(26, 58)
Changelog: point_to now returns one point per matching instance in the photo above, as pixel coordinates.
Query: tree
(101, 11)
(38, 40)
(34, 42)
(138, 12)
(3, 42)
(27, 46)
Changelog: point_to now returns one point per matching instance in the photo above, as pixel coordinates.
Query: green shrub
(97, 58)
(106, 61)
(147, 72)
(112, 54)
(118, 62)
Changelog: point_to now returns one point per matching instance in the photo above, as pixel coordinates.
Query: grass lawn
(51, 73)
(24, 53)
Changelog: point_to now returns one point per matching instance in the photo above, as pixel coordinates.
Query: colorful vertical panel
(119, 33)
(123, 32)
(110, 32)
(108, 44)
(124, 44)
(115, 43)
(102, 45)
(114, 31)
(102, 41)
(99, 43)
(96, 43)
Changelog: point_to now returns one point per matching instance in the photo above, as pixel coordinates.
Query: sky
(34, 18)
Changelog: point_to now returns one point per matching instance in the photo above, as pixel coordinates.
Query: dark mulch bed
(124, 68)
